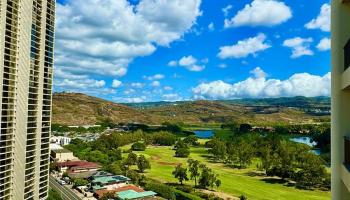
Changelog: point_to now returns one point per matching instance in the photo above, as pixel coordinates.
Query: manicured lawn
(234, 181)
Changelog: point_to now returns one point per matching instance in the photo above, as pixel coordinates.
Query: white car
(62, 182)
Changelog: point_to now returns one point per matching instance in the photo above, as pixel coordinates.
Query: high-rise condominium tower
(340, 99)
(26, 58)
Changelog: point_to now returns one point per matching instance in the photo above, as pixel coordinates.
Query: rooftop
(109, 179)
(78, 164)
(100, 193)
(131, 194)
(61, 150)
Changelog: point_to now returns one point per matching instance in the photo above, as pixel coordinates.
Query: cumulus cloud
(130, 99)
(324, 44)
(302, 84)
(116, 83)
(245, 47)
(211, 26)
(172, 97)
(190, 63)
(323, 20)
(261, 13)
(155, 84)
(300, 46)
(154, 77)
(168, 88)
(102, 37)
(137, 85)
(227, 9)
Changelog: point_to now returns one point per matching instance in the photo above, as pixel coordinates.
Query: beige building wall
(340, 98)
(26, 57)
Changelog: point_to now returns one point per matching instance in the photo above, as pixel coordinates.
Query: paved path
(65, 192)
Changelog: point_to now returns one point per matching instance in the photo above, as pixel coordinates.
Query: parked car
(62, 182)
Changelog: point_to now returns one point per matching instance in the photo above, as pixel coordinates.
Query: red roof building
(78, 167)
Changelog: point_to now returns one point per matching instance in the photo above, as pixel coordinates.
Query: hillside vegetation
(81, 109)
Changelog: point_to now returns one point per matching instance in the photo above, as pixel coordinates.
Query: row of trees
(198, 172)
(279, 157)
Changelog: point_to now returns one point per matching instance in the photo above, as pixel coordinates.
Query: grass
(235, 182)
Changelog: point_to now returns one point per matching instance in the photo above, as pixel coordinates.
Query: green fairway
(234, 182)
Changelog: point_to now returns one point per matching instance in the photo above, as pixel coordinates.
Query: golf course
(235, 182)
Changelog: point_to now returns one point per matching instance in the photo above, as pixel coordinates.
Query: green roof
(109, 179)
(131, 194)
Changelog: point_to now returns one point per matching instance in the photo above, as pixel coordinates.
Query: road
(66, 193)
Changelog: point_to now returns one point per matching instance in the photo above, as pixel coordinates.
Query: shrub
(182, 152)
(243, 197)
(138, 146)
(180, 195)
(162, 190)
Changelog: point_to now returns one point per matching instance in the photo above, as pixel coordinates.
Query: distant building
(26, 57)
(340, 141)
(61, 140)
(62, 155)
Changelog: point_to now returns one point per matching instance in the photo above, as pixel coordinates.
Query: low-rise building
(78, 169)
(131, 194)
(60, 140)
(108, 182)
(100, 193)
(62, 155)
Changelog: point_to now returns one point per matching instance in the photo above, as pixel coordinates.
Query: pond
(308, 141)
(204, 134)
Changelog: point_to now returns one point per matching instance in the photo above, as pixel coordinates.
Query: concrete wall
(340, 96)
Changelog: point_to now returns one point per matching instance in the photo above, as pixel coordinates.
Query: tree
(138, 146)
(131, 159)
(80, 182)
(180, 173)
(143, 163)
(218, 149)
(54, 195)
(312, 172)
(107, 196)
(182, 152)
(207, 177)
(191, 140)
(245, 128)
(115, 168)
(115, 155)
(194, 170)
(243, 197)
(180, 144)
(218, 183)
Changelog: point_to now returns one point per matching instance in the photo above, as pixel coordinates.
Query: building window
(347, 56)
(347, 151)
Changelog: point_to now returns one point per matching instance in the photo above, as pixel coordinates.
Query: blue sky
(152, 50)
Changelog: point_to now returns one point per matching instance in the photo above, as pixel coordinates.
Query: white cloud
(227, 9)
(258, 73)
(102, 37)
(244, 48)
(222, 66)
(261, 13)
(137, 85)
(190, 63)
(116, 83)
(154, 77)
(323, 20)
(302, 84)
(172, 97)
(324, 44)
(300, 46)
(168, 88)
(172, 63)
(131, 99)
(155, 84)
(211, 26)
